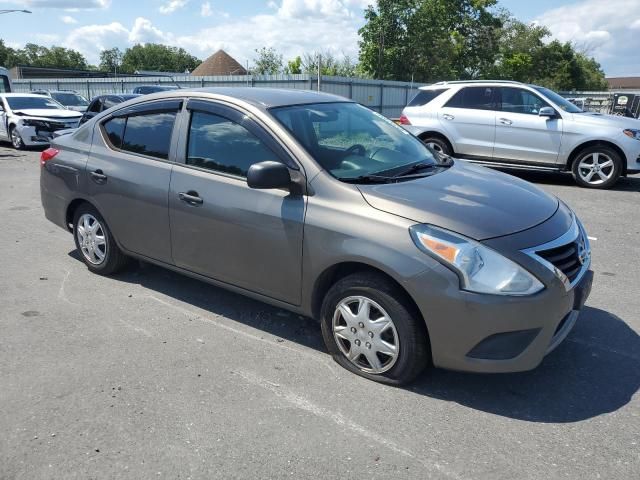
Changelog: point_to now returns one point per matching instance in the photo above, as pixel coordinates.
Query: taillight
(404, 120)
(47, 155)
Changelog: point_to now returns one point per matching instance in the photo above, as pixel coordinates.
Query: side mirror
(269, 174)
(547, 112)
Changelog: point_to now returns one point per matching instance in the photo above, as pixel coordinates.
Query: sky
(607, 29)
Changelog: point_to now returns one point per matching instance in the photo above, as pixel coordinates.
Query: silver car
(318, 205)
(510, 124)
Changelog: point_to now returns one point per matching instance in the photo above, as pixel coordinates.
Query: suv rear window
(477, 98)
(425, 96)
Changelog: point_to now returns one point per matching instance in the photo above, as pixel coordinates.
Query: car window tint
(95, 106)
(109, 102)
(477, 98)
(149, 134)
(425, 96)
(218, 144)
(517, 100)
(114, 129)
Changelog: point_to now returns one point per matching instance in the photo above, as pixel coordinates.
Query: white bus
(5, 82)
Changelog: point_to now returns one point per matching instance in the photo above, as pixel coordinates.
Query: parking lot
(152, 374)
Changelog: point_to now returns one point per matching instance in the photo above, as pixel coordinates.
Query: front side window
(218, 144)
(517, 100)
(149, 134)
(476, 98)
(350, 140)
(560, 101)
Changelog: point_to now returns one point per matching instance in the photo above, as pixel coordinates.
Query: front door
(220, 227)
(128, 176)
(4, 134)
(521, 134)
(469, 120)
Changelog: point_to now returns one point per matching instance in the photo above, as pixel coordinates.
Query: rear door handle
(446, 116)
(190, 197)
(98, 176)
(505, 121)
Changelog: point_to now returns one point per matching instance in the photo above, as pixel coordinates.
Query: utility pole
(319, 69)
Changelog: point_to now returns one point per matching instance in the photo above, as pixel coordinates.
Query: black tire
(580, 173)
(438, 144)
(414, 348)
(114, 260)
(16, 142)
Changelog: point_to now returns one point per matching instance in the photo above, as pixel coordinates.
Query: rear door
(220, 227)
(4, 133)
(128, 175)
(521, 134)
(469, 120)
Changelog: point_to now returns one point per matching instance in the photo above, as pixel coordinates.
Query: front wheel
(597, 167)
(437, 144)
(371, 330)
(16, 139)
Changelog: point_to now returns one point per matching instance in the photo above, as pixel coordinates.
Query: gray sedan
(318, 205)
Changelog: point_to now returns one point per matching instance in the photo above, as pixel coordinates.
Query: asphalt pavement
(150, 374)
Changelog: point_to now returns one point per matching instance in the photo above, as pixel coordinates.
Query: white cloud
(68, 19)
(143, 31)
(604, 29)
(90, 40)
(205, 9)
(172, 5)
(67, 4)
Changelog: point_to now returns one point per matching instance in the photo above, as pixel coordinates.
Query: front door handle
(190, 197)
(446, 116)
(99, 177)
(505, 121)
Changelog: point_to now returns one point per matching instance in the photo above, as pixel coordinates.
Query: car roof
(475, 82)
(36, 95)
(260, 97)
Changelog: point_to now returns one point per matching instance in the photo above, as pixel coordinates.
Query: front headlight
(630, 132)
(29, 122)
(481, 269)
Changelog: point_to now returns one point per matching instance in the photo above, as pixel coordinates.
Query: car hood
(47, 113)
(604, 120)
(78, 108)
(474, 201)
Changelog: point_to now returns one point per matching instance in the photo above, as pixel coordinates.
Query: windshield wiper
(416, 167)
(367, 179)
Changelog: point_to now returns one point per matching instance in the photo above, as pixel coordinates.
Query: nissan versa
(319, 205)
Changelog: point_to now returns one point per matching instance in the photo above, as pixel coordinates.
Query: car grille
(565, 258)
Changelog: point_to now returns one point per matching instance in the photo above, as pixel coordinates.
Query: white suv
(511, 124)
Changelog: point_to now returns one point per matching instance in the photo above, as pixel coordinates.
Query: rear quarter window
(425, 96)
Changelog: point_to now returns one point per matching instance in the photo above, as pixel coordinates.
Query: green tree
(111, 59)
(40, 56)
(294, 66)
(269, 62)
(157, 57)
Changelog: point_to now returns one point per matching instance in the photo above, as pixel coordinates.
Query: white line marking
(61, 293)
(593, 239)
(320, 357)
(339, 419)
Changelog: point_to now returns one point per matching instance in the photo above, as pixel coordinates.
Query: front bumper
(37, 136)
(631, 149)
(494, 334)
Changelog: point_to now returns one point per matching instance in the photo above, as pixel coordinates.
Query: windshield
(70, 99)
(21, 103)
(351, 141)
(560, 101)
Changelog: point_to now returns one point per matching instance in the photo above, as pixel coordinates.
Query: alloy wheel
(435, 146)
(596, 168)
(366, 334)
(16, 140)
(91, 239)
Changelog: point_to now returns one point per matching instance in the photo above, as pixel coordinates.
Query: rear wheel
(95, 243)
(438, 144)
(371, 330)
(597, 167)
(16, 139)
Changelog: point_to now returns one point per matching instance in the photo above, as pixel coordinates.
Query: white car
(28, 120)
(511, 124)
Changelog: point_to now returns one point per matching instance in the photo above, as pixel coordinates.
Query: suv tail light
(404, 120)
(47, 155)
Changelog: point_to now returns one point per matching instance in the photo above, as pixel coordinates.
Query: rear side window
(95, 106)
(149, 134)
(425, 96)
(477, 98)
(114, 129)
(218, 144)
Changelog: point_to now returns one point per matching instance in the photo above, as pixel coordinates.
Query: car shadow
(596, 370)
(624, 184)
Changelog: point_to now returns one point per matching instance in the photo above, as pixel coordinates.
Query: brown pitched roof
(220, 63)
(624, 82)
